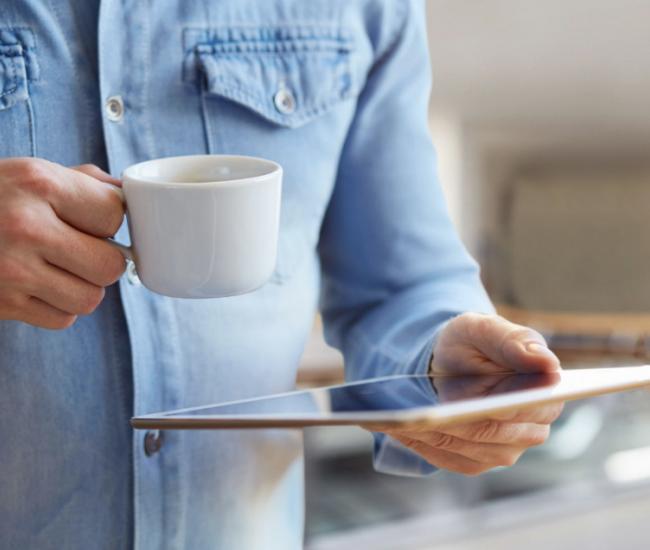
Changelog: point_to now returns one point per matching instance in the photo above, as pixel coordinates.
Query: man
(336, 92)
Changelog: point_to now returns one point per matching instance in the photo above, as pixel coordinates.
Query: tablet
(403, 400)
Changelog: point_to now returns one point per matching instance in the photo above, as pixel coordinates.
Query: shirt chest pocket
(280, 93)
(287, 75)
(18, 69)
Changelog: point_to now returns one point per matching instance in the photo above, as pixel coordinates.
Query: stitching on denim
(294, 31)
(12, 50)
(279, 46)
(253, 102)
(25, 29)
(27, 49)
(32, 126)
(192, 38)
(31, 65)
(12, 77)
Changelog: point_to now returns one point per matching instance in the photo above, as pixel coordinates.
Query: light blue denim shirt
(334, 90)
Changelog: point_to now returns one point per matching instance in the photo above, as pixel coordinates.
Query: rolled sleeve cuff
(392, 457)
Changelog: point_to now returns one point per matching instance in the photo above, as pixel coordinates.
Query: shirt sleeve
(394, 269)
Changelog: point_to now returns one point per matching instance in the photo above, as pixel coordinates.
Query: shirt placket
(125, 75)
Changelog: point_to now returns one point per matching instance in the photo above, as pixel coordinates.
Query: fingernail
(539, 349)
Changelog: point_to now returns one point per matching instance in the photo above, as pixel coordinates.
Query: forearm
(396, 334)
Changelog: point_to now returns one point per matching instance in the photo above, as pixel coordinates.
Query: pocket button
(284, 101)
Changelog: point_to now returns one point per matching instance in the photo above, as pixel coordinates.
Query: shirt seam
(12, 77)
(398, 32)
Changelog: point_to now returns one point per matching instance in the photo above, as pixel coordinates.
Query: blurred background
(540, 116)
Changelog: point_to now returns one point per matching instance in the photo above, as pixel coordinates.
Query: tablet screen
(403, 399)
(385, 394)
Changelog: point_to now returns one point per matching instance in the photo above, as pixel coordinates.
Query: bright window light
(629, 466)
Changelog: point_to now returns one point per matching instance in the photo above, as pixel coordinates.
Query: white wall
(529, 83)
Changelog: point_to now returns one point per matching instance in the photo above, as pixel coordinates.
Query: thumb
(513, 346)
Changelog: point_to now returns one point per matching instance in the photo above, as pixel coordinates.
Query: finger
(87, 257)
(66, 292)
(90, 205)
(493, 454)
(444, 459)
(38, 313)
(510, 345)
(96, 172)
(520, 427)
(522, 434)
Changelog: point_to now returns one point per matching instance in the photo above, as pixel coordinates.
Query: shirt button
(153, 442)
(132, 274)
(284, 101)
(115, 108)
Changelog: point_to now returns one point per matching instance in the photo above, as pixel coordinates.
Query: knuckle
(35, 177)
(474, 323)
(481, 320)
(482, 323)
(481, 326)
(486, 431)
(12, 273)
(524, 334)
(20, 225)
(442, 441)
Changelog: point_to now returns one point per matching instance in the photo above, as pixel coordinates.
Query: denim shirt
(336, 91)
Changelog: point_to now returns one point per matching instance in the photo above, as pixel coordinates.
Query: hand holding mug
(201, 226)
(54, 259)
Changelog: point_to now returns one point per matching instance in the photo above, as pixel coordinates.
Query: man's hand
(485, 344)
(54, 261)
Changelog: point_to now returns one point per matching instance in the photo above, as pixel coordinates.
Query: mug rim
(274, 169)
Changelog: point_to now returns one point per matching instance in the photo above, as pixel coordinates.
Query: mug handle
(127, 251)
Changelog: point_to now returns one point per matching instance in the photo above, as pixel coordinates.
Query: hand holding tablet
(475, 344)
(486, 400)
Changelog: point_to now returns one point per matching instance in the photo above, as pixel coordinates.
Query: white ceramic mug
(203, 226)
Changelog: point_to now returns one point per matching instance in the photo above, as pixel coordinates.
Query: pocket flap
(287, 75)
(13, 77)
(17, 65)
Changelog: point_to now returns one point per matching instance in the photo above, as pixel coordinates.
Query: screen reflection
(388, 394)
